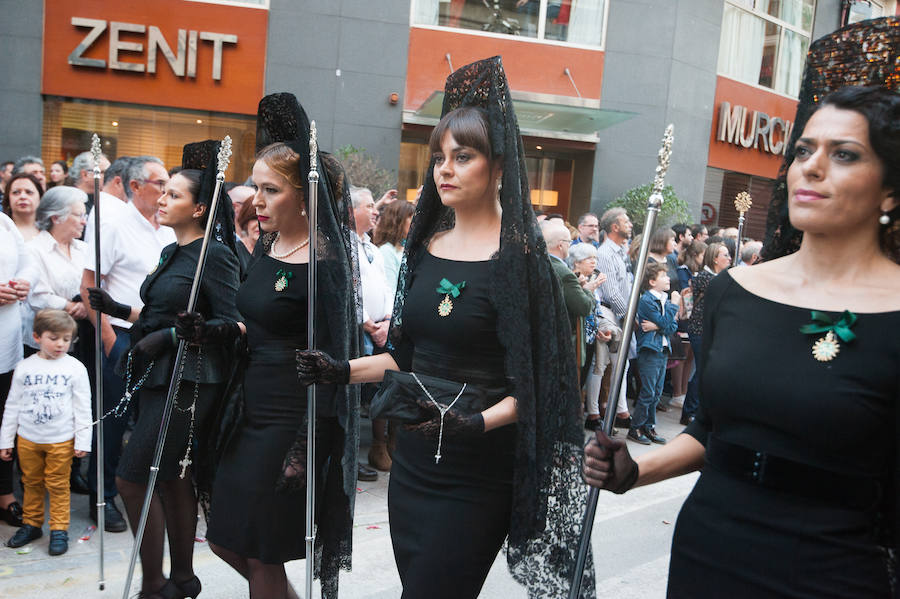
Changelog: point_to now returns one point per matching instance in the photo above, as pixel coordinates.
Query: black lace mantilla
(282, 119)
(865, 53)
(549, 495)
(203, 156)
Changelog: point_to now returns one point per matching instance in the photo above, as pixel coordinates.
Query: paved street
(631, 540)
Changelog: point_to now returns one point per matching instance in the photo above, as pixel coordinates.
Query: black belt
(795, 478)
(605, 304)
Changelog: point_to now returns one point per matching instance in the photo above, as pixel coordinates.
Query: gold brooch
(826, 348)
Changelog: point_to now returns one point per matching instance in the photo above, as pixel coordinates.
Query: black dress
(762, 390)
(165, 293)
(448, 520)
(249, 515)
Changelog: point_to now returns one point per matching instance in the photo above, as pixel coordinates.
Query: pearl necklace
(289, 252)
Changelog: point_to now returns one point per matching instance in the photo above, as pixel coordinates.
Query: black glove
(608, 464)
(101, 301)
(153, 344)
(315, 366)
(192, 327)
(456, 423)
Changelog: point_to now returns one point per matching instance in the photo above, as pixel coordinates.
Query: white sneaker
(677, 401)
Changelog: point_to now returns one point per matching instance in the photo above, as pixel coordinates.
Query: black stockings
(266, 580)
(173, 510)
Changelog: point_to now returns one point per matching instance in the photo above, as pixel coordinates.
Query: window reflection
(572, 21)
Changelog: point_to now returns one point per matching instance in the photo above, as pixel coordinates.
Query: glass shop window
(764, 42)
(572, 21)
(135, 130)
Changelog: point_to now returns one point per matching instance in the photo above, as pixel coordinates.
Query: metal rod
(736, 259)
(654, 203)
(313, 207)
(98, 363)
(568, 74)
(223, 158)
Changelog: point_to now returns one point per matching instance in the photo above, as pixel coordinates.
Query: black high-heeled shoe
(190, 588)
(169, 590)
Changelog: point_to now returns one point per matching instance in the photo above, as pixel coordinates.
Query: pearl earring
(500, 185)
(302, 212)
(884, 219)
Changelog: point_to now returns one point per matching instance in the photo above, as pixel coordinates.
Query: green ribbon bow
(449, 288)
(284, 273)
(823, 323)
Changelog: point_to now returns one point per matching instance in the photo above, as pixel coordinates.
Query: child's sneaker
(59, 542)
(26, 534)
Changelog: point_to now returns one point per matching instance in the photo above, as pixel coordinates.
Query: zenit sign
(740, 126)
(182, 60)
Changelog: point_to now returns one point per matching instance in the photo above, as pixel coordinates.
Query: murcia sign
(183, 61)
(740, 126)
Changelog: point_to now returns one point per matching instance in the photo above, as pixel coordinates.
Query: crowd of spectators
(600, 256)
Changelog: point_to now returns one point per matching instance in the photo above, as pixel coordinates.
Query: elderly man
(377, 302)
(579, 299)
(750, 253)
(33, 166)
(130, 245)
(82, 175)
(588, 230)
(612, 259)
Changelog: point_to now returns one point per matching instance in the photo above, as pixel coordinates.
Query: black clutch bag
(400, 394)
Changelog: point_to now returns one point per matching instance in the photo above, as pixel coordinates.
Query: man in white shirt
(114, 195)
(378, 302)
(130, 247)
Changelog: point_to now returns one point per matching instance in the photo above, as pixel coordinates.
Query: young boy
(653, 350)
(48, 411)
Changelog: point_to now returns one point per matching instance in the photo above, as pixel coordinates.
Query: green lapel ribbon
(449, 288)
(284, 273)
(823, 323)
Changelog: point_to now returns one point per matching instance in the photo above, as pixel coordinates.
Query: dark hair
(713, 231)
(193, 177)
(651, 272)
(390, 224)
(660, 239)
(469, 126)
(696, 229)
(53, 321)
(62, 163)
(246, 214)
(7, 209)
(680, 229)
(691, 253)
(881, 109)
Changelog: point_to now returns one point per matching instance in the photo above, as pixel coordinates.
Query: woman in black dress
(258, 512)
(184, 206)
(478, 304)
(797, 429)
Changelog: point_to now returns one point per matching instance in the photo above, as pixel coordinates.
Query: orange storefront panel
(530, 66)
(173, 53)
(749, 128)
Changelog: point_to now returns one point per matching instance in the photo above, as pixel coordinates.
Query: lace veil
(203, 156)
(548, 493)
(865, 53)
(281, 119)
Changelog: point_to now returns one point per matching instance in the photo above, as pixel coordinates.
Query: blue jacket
(649, 309)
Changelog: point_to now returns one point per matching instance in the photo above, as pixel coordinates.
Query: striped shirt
(611, 260)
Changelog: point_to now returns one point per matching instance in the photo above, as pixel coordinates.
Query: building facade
(594, 83)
